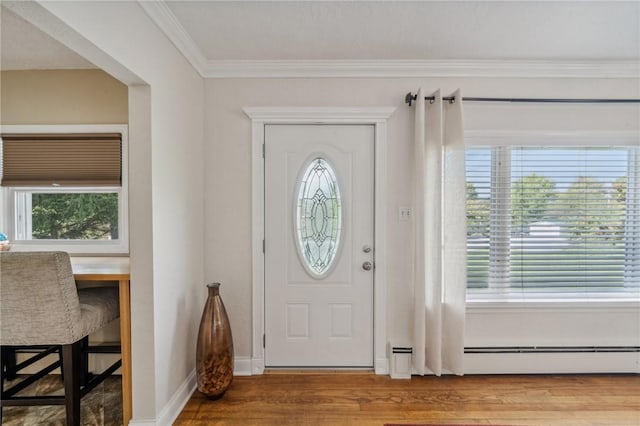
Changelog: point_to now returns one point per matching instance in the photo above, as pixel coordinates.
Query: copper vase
(214, 352)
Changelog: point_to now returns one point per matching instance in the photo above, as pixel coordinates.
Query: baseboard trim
(552, 363)
(142, 423)
(171, 411)
(174, 407)
(257, 366)
(381, 366)
(242, 366)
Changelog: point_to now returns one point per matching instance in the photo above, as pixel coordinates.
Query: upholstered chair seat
(40, 306)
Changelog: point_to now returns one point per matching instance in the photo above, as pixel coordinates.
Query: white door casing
(318, 294)
(261, 116)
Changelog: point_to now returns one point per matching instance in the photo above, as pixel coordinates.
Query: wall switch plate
(404, 214)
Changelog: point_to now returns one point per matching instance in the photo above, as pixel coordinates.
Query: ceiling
(217, 34)
(410, 30)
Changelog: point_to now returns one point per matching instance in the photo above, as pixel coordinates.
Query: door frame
(261, 116)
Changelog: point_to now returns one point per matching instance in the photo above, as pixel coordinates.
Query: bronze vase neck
(214, 289)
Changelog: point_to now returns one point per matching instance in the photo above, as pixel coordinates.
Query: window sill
(74, 248)
(572, 304)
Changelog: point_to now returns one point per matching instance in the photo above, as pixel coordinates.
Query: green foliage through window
(74, 216)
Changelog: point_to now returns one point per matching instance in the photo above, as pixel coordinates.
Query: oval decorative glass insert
(318, 217)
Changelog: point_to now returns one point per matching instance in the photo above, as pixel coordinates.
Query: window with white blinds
(553, 221)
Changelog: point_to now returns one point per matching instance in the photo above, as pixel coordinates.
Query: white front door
(319, 221)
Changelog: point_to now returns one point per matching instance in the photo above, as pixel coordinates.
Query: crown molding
(164, 18)
(420, 68)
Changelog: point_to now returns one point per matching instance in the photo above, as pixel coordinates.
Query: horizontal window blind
(553, 219)
(479, 181)
(62, 159)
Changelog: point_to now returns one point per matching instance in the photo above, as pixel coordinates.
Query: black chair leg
(72, 369)
(9, 362)
(85, 376)
(2, 377)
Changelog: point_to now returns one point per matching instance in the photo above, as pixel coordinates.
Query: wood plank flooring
(340, 398)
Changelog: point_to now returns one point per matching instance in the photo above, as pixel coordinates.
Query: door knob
(367, 266)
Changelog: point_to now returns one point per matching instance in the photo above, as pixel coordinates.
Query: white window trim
(7, 196)
(492, 138)
(550, 138)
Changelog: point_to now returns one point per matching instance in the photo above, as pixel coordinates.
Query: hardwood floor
(366, 399)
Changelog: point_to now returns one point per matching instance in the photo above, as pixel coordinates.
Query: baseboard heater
(550, 349)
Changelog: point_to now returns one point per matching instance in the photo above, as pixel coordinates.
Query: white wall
(166, 186)
(228, 172)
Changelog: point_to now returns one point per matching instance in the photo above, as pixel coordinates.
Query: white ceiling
(320, 30)
(232, 36)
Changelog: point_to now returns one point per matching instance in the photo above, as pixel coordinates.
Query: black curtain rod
(410, 97)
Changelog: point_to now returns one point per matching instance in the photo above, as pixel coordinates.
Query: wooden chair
(42, 312)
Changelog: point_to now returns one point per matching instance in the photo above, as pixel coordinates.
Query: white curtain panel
(440, 236)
